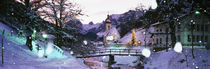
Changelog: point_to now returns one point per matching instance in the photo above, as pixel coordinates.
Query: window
(157, 40)
(178, 38)
(167, 30)
(189, 38)
(195, 27)
(178, 27)
(193, 38)
(160, 30)
(160, 40)
(198, 38)
(202, 39)
(198, 27)
(202, 27)
(206, 28)
(206, 38)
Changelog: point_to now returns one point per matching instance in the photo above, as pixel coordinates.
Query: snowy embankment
(140, 35)
(18, 56)
(124, 62)
(183, 60)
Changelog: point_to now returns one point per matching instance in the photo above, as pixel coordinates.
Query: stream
(122, 62)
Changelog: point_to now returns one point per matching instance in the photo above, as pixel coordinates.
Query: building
(111, 34)
(192, 29)
(161, 34)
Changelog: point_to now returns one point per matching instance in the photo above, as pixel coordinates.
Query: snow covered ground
(121, 61)
(183, 60)
(139, 33)
(124, 62)
(18, 56)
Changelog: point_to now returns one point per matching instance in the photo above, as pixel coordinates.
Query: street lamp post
(167, 39)
(144, 38)
(45, 38)
(2, 47)
(193, 38)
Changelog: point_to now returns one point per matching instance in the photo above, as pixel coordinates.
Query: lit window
(157, 40)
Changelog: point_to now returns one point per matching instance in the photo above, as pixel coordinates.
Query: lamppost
(193, 38)
(2, 48)
(167, 39)
(44, 35)
(202, 28)
(144, 37)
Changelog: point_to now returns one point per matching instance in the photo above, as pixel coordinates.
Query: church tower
(111, 34)
(108, 24)
(108, 27)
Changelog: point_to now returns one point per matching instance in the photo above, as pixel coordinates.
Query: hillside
(122, 22)
(174, 60)
(18, 56)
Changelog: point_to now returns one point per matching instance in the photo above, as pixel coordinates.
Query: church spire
(108, 19)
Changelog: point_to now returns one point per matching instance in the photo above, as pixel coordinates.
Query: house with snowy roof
(191, 29)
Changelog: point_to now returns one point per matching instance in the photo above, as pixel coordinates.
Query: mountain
(122, 22)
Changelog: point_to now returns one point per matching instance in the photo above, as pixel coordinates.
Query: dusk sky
(97, 10)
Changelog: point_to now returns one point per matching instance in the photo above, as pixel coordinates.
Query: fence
(106, 52)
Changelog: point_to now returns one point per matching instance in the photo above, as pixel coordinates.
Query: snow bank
(18, 56)
(174, 60)
(139, 36)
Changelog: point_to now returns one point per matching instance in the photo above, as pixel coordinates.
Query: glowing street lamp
(71, 52)
(197, 12)
(44, 36)
(34, 31)
(144, 33)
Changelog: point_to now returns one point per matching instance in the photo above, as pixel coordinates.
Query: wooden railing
(106, 52)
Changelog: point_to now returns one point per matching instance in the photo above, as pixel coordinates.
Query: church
(111, 34)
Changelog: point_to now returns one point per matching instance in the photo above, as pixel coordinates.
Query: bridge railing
(116, 51)
(106, 52)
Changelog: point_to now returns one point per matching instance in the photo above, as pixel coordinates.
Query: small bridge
(113, 52)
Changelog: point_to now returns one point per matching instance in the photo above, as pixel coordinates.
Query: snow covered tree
(59, 11)
(171, 10)
(133, 39)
